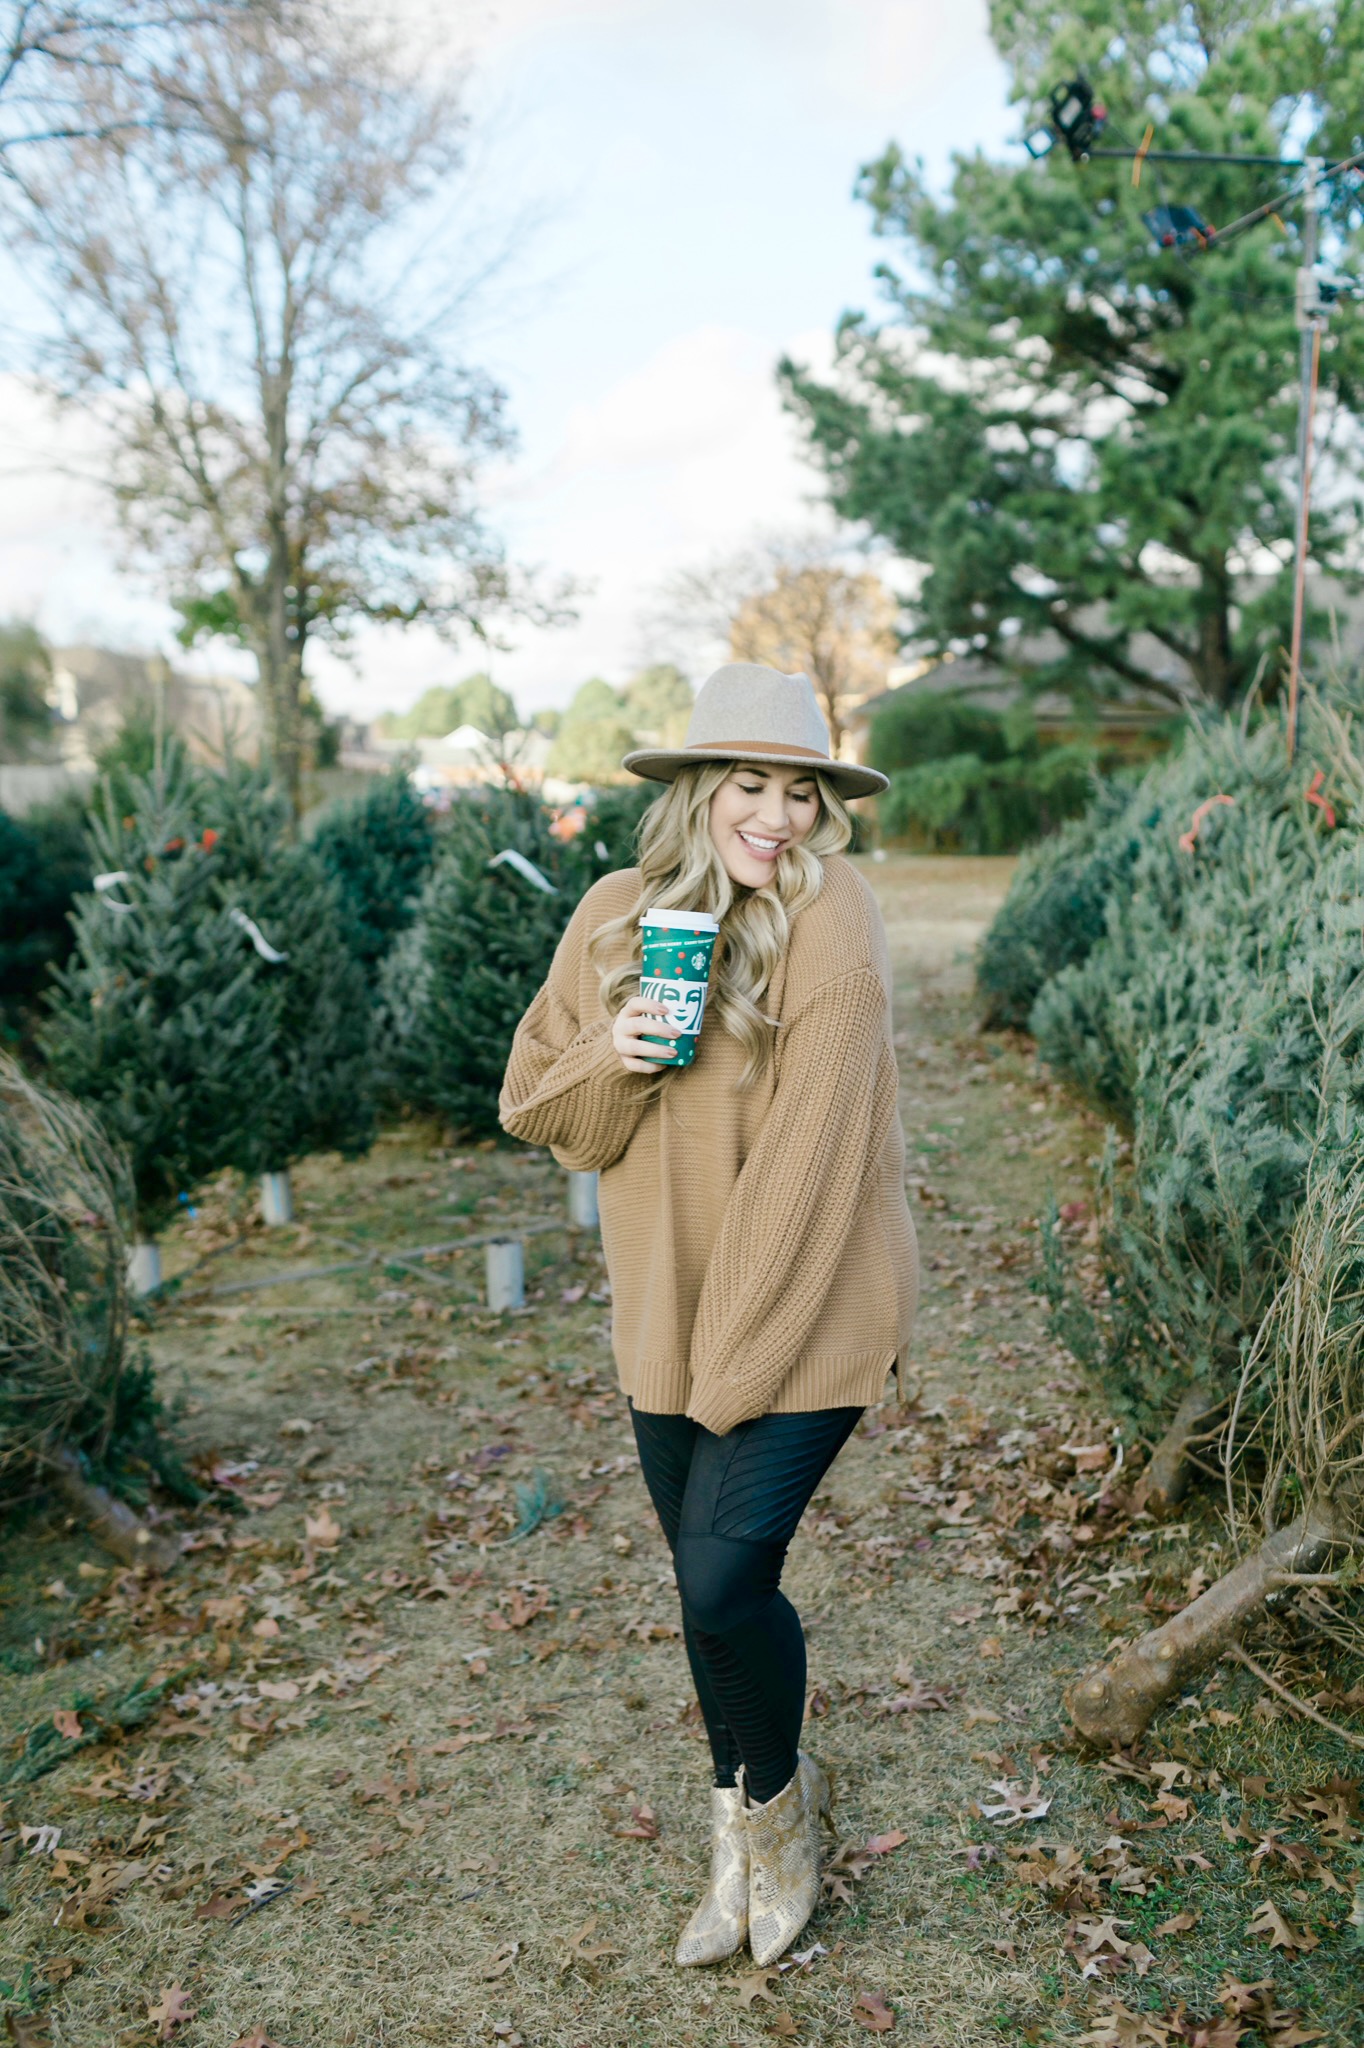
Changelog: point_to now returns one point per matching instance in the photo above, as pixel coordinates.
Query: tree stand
(276, 1199)
(144, 1266)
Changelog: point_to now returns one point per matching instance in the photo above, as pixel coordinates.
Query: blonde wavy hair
(681, 869)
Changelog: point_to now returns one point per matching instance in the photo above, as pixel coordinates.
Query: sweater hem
(856, 1379)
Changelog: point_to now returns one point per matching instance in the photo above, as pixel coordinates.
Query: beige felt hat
(745, 712)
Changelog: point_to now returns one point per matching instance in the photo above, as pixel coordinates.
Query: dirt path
(435, 1773)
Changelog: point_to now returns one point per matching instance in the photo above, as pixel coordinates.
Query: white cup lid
(682, 920)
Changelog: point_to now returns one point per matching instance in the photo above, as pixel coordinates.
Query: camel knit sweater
(760, 1248)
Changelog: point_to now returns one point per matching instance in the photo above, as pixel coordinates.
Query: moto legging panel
(729, 1506)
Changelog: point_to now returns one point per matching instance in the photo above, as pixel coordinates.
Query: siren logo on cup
(686, 1001)
(675, 956)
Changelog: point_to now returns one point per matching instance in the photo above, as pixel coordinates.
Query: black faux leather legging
(729, 1506)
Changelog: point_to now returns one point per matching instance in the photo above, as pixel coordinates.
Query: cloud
(696, 164)
(58, 547)
(685, 456)
(882, 56)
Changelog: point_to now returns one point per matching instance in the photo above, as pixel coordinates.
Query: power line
(1077, 120)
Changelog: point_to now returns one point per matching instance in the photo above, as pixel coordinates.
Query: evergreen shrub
(456, 985)
(379, 847)
(43, 862)
(65, 1204)
(312, 1086)
(155, 1021)
(1210, 998)
(193, 1047)
(966, 779)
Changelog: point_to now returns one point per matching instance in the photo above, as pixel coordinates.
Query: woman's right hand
(643, 1014)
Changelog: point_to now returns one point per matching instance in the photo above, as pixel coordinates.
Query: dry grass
(523, 1761)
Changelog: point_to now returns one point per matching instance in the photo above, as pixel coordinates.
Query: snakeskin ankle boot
(783, 1859)
(718, 1926)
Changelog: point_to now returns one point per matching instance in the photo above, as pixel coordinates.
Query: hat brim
(660, 765)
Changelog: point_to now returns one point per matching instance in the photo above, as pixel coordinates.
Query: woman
(763, 1265)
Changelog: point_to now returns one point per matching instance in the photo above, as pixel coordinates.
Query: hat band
(762, 747)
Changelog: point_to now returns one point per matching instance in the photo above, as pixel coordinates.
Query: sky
(674, 179)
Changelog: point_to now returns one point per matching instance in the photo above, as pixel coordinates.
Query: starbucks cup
(675, 970)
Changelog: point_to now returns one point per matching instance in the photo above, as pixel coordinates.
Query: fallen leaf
(257, 2038)
(500, 1961)
(881, 1845)
(67, 1723)
(29, 2029)
(918, 1699)
(1240, 1998)
(1016, 1804)
(754, 1986)
(1094, 1931)
(323, 1529)
(1179, 1923)
(871, 2011)
(277, 1689)
(642, 1825)
(582, 1950)
(1268, 1921)
(221, 1906)
(171, 2010)
(1170, 1773)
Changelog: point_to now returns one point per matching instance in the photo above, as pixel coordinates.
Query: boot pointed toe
(783, 1860)
(719, 1925)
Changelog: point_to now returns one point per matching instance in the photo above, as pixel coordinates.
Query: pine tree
(379, 847)
(43, 862)
(311, 1084)
(1213, 1013)
(156, 1020)
(1109, 446)
(458, 984)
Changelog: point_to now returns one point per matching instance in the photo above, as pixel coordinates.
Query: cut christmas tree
(378, 847)
(503, 888)
(311, 1084)
(72, 1400)
(158, 1020)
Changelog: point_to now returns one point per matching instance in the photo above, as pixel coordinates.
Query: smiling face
(755, 813)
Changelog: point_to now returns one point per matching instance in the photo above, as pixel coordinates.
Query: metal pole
(1310, 318)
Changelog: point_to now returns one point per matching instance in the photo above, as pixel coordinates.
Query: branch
(1102, 652)
(1298, 1706)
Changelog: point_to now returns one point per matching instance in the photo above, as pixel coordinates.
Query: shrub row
(967, 779)
(1195, 966)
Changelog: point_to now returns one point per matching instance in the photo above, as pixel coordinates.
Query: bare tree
(791, 603)
(50, 50)
(258, 306)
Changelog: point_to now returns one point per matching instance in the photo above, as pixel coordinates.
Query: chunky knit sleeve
(565, 1086)
(790, 1212)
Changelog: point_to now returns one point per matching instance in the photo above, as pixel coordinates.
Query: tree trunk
(110, 1520)
(1216, 664)
(1164, 1482)
(284, 652)
(1112, 1702)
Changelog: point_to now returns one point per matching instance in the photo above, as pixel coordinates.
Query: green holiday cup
(675, 970)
